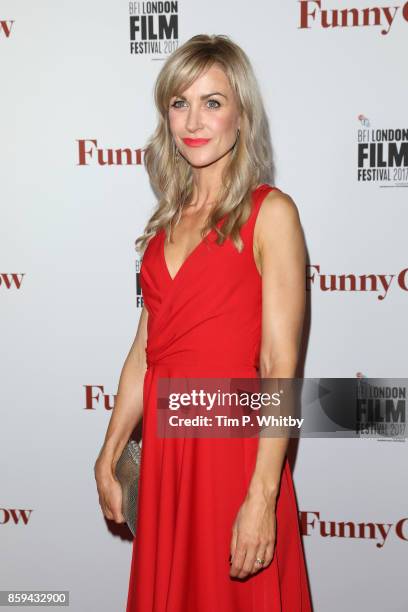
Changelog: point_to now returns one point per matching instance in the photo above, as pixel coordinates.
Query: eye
(175, 104)
(216, 101)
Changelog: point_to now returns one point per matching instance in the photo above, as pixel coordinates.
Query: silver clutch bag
(127, 472)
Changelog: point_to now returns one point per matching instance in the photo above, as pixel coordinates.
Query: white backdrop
(68, 280)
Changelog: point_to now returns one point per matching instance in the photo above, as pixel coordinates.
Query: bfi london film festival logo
(153, 28)
(313, 14)
(382, 155)
(139, 295)
(381, 411)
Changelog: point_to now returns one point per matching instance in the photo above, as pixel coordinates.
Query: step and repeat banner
(76, 99)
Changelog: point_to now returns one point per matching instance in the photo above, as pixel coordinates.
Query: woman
(217, 527)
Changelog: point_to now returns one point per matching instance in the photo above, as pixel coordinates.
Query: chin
(201, 162)
(199, 157)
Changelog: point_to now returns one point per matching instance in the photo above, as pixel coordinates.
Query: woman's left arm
(278, 238)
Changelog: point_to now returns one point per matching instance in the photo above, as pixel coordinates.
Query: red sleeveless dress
(205, 322)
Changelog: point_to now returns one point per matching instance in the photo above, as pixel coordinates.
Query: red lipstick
(196, 142)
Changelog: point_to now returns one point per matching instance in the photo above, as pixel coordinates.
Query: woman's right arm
(126, 414)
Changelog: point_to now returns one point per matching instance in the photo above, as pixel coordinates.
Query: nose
(193, 122)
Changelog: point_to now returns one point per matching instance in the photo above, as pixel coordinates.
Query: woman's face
(204, 118)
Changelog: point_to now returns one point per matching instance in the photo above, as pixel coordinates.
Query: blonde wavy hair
(250, 162)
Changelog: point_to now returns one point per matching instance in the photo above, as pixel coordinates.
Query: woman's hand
(110, 492)
(253, 536)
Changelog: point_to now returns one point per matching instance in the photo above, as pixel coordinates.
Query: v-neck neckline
(196, 248)
(189, 256)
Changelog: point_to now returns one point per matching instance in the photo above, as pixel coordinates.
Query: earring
(236, 140)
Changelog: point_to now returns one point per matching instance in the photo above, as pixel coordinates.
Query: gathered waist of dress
(201, 361)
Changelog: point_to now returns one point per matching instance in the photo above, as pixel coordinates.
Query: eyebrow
(214, 93)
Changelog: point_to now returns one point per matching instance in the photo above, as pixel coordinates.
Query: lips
(196, 142)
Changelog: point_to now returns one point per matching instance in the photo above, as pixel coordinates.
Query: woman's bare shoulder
(278, 214)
